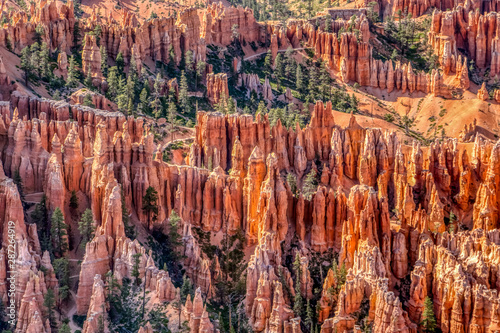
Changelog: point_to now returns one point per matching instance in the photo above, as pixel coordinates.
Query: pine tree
(150, 204)
(186, 289)
(428, 323)
(113, 83)
(261, 109)
(19, 184)
(291, 179)
(183, 95)
(328, 23)
(299, 81)
(87, 101)
(174, 237)
(35, 57)
(104, 60)
(120, 62)
(44, 57)
(200, 70)
(40, 216)
(89, 81)
(72, 78)
(310, 184)
(309, 322)
(190, 68)
(61, 269)
(156, 103)
(122, 98)
(279, 68)
(130, 92)
(135, 269)
(64, 328)
(298, 302)
(172, 112)
(26, 65)
(144, 99)
(268, 63)
(86, 227)
(58, 232)
(49, 301)
(73, 201)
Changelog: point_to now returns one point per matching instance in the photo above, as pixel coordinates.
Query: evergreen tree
(261, 109)
(40, 216)
(300, 82)
(89, 81)
(104, 60)
(279, 68)
(174, 237)
(73, 201)
(171, 61)
(35, 57)
(49, 302)
(19, 184)
(86, 227)
(298, 302)
(200, 70)
(172, 112)
(122, 99)
(61, 269)
(113, 83)
(4, 324)
(120, 62)
(310, 184)
(186, 289)
(190, 66)
(135, 269)
(428, 323)
(150, 204)
(26, 65)
(125, 301)
(44, 57)
(130, 92)
(268, 63)
(72, 78)
(183, 95)
(156, 103)
(58, 232)
(309, 322)
(87, 101)
(144, 99)
(291, 179)
(64, 328)
(328, 23)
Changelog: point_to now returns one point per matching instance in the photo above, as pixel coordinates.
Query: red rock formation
(197, 315)
(91, 59)
(482, 93)
(99, 101)
(96, 316)
(217, 89)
